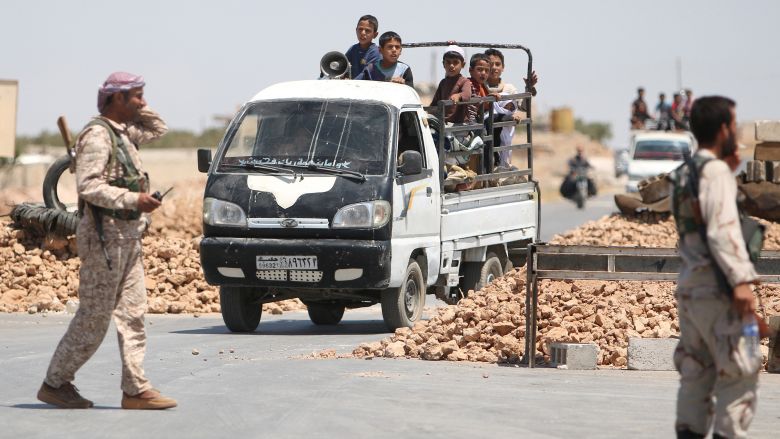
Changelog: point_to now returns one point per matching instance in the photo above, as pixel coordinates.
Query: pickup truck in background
(331, 191)
(656, 152)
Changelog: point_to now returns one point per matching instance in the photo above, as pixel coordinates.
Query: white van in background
(656, 152)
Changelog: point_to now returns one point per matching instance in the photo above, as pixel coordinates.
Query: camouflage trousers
(119, 293)
(714, 363)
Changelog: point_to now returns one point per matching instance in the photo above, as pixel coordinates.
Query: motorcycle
(581, 185)
(577, 186)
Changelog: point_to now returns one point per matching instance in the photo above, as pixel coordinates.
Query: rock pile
(642, 232)
(41, 274)
(489, 326)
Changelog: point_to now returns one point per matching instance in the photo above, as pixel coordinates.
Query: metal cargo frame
(486, 129)
(562, 262)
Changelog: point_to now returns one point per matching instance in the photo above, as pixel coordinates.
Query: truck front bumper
(340, 263)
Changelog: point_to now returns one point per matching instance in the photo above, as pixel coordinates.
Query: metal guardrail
(562, 262)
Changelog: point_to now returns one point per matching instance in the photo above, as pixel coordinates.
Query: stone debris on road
(489, 325)
(41, 273)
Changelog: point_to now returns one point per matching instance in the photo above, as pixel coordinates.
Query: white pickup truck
(656, 152)
(331, 191)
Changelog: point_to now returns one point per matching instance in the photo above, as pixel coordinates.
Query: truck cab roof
(395, 95)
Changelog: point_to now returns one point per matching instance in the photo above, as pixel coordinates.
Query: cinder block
(773, 363)
(755, 171)
(575, 356)
(767, 151)
(651, 353)
(773, 172)
(768, 130)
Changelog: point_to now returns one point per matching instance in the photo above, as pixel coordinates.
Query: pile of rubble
(659, 231)
(41, 274)
(489, 326)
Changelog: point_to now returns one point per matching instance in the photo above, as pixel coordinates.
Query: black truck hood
(313, 196)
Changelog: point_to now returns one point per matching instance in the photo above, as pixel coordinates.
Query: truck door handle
(429, 191)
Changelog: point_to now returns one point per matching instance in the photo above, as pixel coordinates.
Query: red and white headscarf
(116, 82)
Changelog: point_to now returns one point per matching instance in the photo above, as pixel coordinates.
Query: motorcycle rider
(577, 164)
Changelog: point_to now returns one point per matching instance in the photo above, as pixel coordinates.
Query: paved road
(265, 389)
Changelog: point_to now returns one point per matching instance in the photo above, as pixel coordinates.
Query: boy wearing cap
(388, 68)
(454, 86)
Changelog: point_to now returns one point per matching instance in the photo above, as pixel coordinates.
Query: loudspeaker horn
(334, 65)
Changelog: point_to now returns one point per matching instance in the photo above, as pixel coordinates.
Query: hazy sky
(202, 58)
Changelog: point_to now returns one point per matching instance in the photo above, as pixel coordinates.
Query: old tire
(240, 312)
(325, 313)
(40, 220)
(50, 197)
(477, 275)
(403, 306)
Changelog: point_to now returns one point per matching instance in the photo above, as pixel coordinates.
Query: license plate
(286, 262)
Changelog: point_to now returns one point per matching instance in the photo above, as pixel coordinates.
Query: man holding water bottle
(717, 357)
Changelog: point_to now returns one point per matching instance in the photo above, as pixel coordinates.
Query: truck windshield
(338, 134)
(661, 149)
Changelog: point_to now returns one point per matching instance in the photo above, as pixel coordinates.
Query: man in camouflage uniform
(713, 357)
(113, 193)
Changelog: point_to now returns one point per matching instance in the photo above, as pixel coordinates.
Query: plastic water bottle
(750, 334)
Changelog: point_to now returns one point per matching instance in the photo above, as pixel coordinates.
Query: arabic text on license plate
(286, 262)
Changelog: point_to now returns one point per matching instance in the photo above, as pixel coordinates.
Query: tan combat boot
(148, 400)
(66, 396)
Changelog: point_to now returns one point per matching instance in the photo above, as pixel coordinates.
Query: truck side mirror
(410, 163)
(204, 160)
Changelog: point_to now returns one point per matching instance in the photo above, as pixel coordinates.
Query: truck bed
(499, 214)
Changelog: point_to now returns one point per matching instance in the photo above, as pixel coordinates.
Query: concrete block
(768, 130)
(575, 356)
(773, 172)
(773, 363)
(651, 353)
(755, 171)
(767, 151)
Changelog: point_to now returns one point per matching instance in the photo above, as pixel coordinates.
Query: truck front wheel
(325, 313)
(240, 311)
(403, 306)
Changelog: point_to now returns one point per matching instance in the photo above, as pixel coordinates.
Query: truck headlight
(221, 213)
(369, 214)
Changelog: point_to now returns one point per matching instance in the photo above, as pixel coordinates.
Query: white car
(656, 152)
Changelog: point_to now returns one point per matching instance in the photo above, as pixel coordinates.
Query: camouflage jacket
(718, 203)
(93, 151)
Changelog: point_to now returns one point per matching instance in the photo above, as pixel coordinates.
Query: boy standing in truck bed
(388, 68)
(454, 86)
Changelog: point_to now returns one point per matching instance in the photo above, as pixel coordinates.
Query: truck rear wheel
(403, 306)
(325, 313)
(477, 275)
(240, 311)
